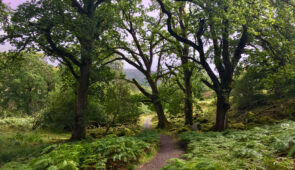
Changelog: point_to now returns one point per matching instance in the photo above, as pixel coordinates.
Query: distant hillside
(135, 74)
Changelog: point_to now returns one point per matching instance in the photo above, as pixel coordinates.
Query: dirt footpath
(169, 148)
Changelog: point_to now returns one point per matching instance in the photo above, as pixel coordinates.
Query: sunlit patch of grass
(122, 130)
(152, 116)
(206, 117)
(16, 123)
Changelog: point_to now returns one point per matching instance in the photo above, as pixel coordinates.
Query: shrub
(149, 137)
(246, 91)
(61, 110)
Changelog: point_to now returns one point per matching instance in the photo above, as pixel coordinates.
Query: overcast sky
(13, 3)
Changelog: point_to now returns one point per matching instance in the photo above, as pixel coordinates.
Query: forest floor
(169, 148)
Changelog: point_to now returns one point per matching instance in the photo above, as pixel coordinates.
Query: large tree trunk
(188, 110)
(187, 70)
(162, 120)
(222, 107)
(79, 130)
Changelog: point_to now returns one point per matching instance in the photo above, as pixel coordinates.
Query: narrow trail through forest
(169, 148)
(147, 123)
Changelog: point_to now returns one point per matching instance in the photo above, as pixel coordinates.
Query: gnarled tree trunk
(162, 120)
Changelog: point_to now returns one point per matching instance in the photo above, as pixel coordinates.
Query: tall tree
(144, 51)
(186, 67)
(274, 55)
(70, 31)
(222, 30)
(119, 104)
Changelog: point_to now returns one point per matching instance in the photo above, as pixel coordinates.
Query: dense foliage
(106, 153)
(25, 84)
(266, 147)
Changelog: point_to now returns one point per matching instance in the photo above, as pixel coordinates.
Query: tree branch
(62, 52)
(113, 60)
(208, 84)
(225, 45)
(194, 60)
(141, 69)
(198, 47)
(173, 33)
(141, 89)
(240, 48)
(176, 78)
(70, 66)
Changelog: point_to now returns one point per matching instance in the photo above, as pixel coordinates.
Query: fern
(247, 149)
(107, 153)
(291, 151)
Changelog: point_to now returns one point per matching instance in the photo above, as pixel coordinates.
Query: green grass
(18, 142)
(267, 147)
(22, 145)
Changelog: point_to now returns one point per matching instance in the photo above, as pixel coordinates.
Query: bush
(246, 91)
(149, 137)
(60, 112)
(117, 107)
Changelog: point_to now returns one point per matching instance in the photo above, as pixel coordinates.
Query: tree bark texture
(79, 130)
(188, 98)
(162, 120)
(223, 106)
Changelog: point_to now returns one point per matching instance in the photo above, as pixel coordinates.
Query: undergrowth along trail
(266, 147)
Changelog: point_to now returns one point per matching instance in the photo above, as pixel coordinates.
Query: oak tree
(222, 30)
(144, 50)
(71, 31)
